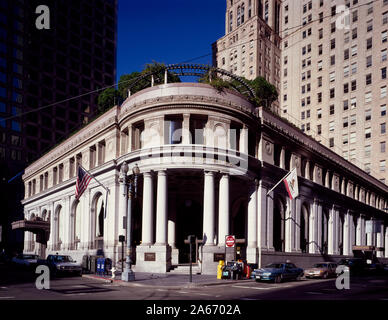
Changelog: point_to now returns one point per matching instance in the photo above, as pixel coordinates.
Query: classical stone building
(207, 160)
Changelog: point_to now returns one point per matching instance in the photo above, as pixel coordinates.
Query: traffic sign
(230, 241)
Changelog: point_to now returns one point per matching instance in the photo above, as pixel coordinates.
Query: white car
(25, 260)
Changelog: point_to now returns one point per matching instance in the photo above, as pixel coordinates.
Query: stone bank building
(207, 160)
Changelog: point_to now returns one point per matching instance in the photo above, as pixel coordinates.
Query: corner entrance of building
(189, 222)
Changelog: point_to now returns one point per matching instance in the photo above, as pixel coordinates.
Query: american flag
(83, 179)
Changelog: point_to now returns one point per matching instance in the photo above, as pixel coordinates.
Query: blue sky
(170, 31)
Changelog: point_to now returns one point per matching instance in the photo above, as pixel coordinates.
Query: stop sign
(230, 241)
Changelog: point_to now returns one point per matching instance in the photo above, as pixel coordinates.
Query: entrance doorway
(189, 217)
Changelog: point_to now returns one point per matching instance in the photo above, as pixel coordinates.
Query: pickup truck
(61, 264)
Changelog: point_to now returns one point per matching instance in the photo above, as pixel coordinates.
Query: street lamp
(129, 181)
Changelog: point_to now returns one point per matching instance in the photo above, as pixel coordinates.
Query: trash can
(220, 268)
(85, 264)
(108, 266)
(93, 263)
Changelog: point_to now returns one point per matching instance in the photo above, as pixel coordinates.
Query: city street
(18, 284)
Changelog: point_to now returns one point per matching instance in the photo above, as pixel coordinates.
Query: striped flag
(83, 179)
(291, 183)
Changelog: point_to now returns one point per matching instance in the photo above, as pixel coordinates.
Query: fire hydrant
(220, 267)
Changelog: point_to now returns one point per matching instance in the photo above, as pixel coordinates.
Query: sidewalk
(171, 281)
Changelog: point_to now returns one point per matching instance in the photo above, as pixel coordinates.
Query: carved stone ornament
(268, 148)
(319, 172)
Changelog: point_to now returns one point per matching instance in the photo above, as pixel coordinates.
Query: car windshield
(320, 265)
(63, 259)
(29, 257)
(274, 265)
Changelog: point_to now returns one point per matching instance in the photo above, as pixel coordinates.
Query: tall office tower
(40, 67)
(334, 77)
(251, 45)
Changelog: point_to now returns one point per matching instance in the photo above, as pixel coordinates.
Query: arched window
(278, 225)
(242, 13)
(230, 21)
(304, 228)
(325, 230)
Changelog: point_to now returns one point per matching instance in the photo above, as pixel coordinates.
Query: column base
(252, 255)
(155, 259)
(174, 256)
(207, 256)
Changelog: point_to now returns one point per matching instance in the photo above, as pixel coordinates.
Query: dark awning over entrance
(32, 226)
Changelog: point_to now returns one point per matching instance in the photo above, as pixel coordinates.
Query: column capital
(162, 172)
(209, 173)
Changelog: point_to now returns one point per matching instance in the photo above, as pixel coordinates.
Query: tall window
(242, 13)
(230, 21)
(173, 130)
(238, 16)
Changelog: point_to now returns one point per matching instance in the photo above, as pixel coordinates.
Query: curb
(188, 285)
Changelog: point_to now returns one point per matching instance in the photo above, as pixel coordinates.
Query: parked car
(27, 261)
(321, 270)
(356, 266)
(62, 264)
(279, 272)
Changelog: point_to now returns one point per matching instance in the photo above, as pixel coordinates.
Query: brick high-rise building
(334, 77)
(42, 67)
(251, 45)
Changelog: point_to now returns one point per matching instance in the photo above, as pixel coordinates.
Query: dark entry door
(189, 222)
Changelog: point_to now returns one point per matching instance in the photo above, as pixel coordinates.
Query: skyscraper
(41, 67)
(251, 45)
(334, 77)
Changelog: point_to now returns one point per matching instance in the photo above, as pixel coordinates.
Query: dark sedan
(279, 272)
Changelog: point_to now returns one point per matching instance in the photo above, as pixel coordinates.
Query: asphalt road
(20, 285)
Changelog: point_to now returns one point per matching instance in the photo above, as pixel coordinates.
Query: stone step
(185, 269)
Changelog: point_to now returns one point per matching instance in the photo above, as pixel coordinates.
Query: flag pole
(279, 182)
(105, 188)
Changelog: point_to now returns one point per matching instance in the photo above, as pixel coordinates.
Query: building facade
(334, 76)
(251, 45)
(43, 67)
(207, 160)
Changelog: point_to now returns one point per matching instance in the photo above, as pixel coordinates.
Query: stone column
(332, 239)
(270, 198)
(386, 242)
(244, 140)
(358, 231)
(312, 247)
(262, 217)
(380, 240)
(252, 225)
(148, 206)
(283, 158)
(123, 202)
(318, 224)
(186, 139)
(288, 234)
(223, 212)
(161, 209)
(347, 235)
(369, 238)
(298, 216)
(336, 231)
(208, 209)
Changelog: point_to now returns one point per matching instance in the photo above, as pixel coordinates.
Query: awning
(32, 226)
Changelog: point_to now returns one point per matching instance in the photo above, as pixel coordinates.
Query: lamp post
(129, 181)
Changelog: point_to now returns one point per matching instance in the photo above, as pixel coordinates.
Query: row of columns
(165, 228)
(259, 220)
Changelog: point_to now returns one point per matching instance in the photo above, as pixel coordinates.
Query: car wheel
(299, 277)
(325, 275)
(278, 279)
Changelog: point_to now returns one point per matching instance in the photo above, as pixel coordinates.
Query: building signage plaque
(149, 256)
